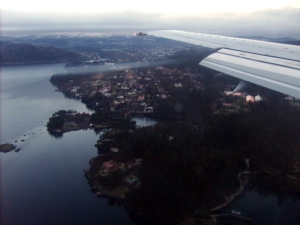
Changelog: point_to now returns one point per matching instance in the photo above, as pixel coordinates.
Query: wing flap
(262, 58)
(279, 78)
(247, 48)
(285, 55)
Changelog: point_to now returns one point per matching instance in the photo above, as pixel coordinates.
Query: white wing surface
(272, 65)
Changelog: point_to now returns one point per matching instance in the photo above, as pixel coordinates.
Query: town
(148, 91)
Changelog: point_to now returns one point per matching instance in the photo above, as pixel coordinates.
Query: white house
(258, 98)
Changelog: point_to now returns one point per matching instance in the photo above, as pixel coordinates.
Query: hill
(18, 53)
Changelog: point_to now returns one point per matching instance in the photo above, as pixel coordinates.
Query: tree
(55, 123)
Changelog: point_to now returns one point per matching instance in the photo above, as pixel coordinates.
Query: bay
(265, 207)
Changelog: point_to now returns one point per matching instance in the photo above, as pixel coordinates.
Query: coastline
(31, 63)
(119, 193)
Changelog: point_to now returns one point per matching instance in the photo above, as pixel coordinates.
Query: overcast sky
(272, 18)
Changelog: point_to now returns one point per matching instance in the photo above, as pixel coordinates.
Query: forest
(192, 157)
(17, 53)
(193, 162)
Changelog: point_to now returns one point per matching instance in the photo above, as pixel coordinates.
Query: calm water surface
(266, 208)
(44, 183)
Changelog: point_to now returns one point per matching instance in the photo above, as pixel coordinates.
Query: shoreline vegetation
(68, 120)
(17, 54)
(197, 159)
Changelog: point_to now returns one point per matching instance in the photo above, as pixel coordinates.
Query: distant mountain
(292, 42)
(286, 40)
(18, 53)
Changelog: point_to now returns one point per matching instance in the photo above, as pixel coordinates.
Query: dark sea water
(44, 183)
(266, 208)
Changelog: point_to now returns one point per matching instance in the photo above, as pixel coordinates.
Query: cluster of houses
(126, 90)
(111, 165)
(140, 91)
(130, 89)
(131, 49)
(248, 98)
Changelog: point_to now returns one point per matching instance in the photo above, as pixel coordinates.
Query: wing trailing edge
(272, 65)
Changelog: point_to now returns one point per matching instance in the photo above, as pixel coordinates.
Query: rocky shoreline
(8, 147)
(210, 216)
(112, 175)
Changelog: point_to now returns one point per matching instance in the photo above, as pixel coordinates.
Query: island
(7, 147)
(68, 120)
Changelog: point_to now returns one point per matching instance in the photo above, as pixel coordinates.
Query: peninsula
(68, 120)
(197, 157)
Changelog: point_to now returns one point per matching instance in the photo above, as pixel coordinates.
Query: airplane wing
(272, 65)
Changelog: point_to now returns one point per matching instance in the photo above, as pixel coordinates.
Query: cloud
(271, 23)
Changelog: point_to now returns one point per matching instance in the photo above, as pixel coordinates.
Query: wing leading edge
(272, 65)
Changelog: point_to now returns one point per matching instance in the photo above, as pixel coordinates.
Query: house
(141, 97)
(116, 102)
(289, 98)
(114, 149)
(108, 165)
(148, 110)
(106, 94)
(132, 181)
(250, 98)
(258, 98)
(239, 94)
(228, 105)
(177, 85)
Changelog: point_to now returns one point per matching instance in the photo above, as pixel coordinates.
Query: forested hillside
(17, 53)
